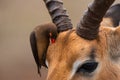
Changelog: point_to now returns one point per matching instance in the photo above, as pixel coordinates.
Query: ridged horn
(58, 14)
(88, 27)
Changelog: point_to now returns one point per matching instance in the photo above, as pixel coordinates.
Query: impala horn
(88, 27)
(58, 14)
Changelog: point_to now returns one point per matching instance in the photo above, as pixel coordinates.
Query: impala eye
(88, 67)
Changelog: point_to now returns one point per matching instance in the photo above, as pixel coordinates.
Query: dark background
(17, 20)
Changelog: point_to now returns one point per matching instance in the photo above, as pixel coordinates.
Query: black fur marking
(92, 54)
(34, 50)
(114, 13)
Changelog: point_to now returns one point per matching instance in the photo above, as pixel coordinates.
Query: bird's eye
(88, 67)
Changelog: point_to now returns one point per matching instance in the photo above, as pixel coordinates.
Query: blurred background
(17, 20)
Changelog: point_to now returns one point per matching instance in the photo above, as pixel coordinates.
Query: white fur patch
(46, 62)
(75, 67)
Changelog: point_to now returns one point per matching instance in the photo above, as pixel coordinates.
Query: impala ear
(39, 40)
(114, 44)
(114, 14)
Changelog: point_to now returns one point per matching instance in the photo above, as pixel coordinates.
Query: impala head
(89, 52)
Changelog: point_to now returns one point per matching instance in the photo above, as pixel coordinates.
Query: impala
(91, 51)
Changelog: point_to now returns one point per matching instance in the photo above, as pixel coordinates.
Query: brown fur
(69, 47)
